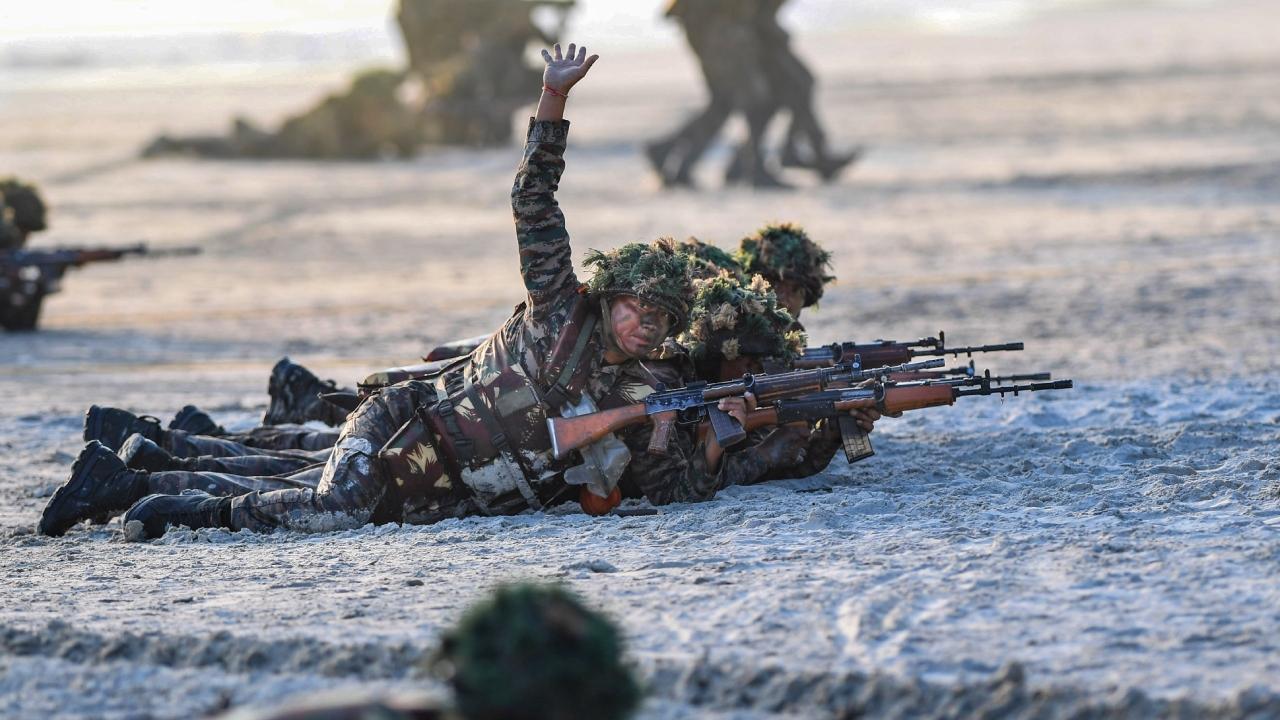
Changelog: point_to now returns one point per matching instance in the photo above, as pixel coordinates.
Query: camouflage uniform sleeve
(679, 476)
(545, 261)
(824, 441)
(781, 454)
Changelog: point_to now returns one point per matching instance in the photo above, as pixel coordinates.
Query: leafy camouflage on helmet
(655, 273)
(536, 651)
(784, 253)
(707, 260)
(24, 201)
(731, 320)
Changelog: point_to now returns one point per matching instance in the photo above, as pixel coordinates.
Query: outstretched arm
(545, 262)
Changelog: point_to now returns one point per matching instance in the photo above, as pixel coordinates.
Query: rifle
(27, 276)
(454, 348)
(962, 371)
(696, 401)
(891, 352)
(889, 399)
(77, 257)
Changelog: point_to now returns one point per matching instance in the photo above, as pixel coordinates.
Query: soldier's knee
(351, 481)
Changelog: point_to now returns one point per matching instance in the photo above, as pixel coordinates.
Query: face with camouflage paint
(790, 296)
(734, 369)
(639, 327)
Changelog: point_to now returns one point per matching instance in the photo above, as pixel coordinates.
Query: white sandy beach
(1103, 185)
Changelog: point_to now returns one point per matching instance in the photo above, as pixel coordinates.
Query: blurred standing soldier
(723, 35)
(22, 212)
(470, 57)
(791, 88)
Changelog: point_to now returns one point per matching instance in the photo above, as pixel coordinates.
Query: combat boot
(831, 167)
(100, 484)
(139, 453)
(112, 426)
(295, 396)
(151, 516)
(194, 421)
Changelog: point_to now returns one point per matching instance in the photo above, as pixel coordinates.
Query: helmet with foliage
(731, 320)
(23, 200)
(707, 260)
(653, 272)
(784, 253)
(533, 651)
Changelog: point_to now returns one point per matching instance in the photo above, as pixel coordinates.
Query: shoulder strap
(558, 386)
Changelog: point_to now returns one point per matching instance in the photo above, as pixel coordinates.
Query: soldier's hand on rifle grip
(738, 407)
(866, 417)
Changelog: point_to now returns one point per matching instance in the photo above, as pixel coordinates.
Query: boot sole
(80, 472)
(93, 424)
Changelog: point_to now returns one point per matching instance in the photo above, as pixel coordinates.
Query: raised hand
(563, 71)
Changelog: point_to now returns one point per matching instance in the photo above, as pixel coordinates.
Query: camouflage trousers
(256, 465)
(282, 441)
(731, 66)
(230, 484)
(353, 488)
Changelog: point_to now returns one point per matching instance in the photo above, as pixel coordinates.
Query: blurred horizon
(65, 35)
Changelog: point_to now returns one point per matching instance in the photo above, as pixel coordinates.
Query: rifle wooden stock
(900, 399)
(896, 400)
(761, 417)
(84, 257)
(663, 424)
(569, 434)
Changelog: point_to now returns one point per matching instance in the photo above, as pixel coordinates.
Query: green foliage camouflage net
(653, 272)
(707, 260)
(730, 320)
(784, 253)
(536, 652)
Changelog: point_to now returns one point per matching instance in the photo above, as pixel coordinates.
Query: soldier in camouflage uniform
(791, 88)
(367, 121)
(473, 439)
(471, 58)
(527, 652)
(22, 212)
(739, 328)
(723, 36)
(183, 458)
(793, 264)
(192, 433)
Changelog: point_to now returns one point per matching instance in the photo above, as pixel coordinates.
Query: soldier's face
(638, 327)
(790, 296)
(739, 366)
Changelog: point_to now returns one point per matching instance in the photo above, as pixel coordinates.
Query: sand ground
(1102, 185)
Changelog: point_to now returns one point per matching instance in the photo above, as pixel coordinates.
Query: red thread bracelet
(555, 92)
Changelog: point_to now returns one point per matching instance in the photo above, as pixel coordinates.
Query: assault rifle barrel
(969, 350)
(1003, 390)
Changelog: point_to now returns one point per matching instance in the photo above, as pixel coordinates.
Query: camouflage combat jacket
(548, 353)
